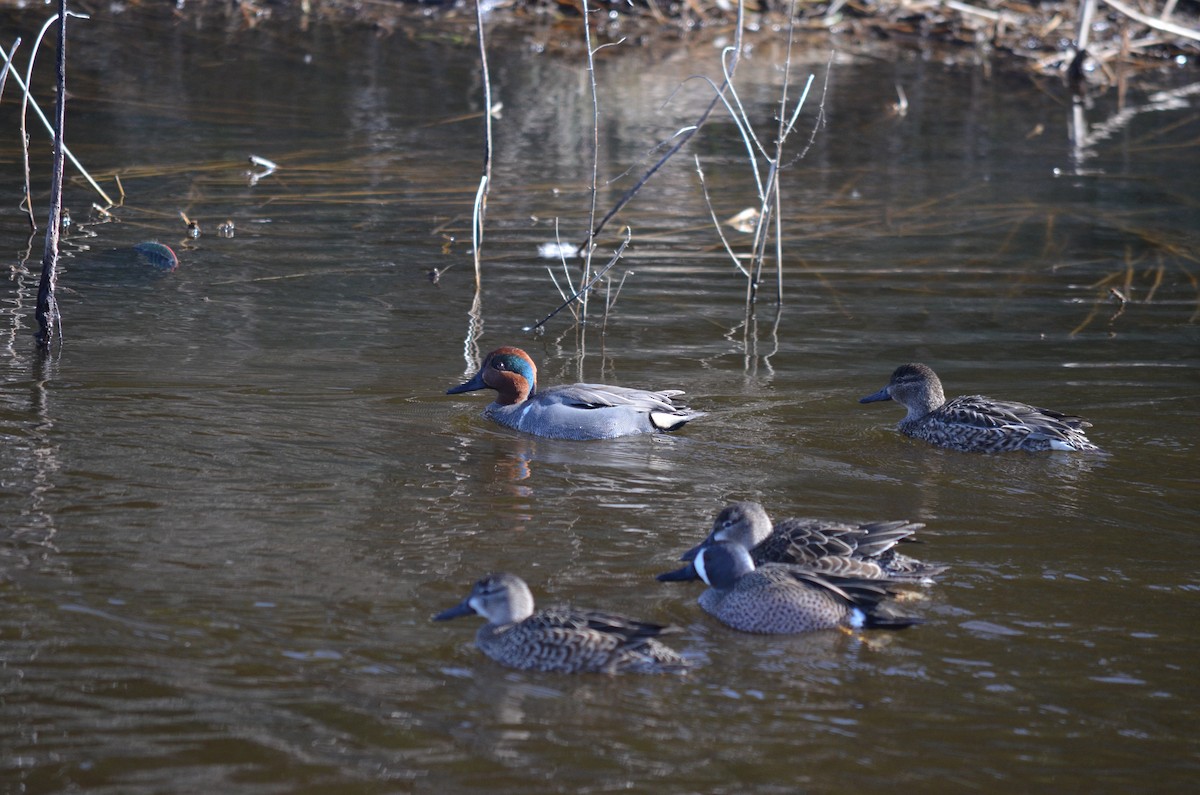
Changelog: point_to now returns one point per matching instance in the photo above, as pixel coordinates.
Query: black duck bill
(458, 611)
(470, 386)
(882, 394)
(686, 574)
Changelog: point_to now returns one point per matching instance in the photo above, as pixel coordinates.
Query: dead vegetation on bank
(1096, 42)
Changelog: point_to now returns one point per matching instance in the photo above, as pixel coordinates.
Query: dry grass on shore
(1124, 36)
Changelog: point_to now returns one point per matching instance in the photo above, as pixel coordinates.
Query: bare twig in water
(587, 286)
(769, 214)
(478, 210)
(591, 247)
(682, 137)
(27, 198)
(8, 65)
(30, 102)
(578, 301)
(717, 224)
(48, 319)
(1120, 285)
(560, 249)
(479, 213)
(610, 300)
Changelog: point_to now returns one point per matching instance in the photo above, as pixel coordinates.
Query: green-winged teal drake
(561, 639)
(575, 411)
(852, 550)
(974, 423)
(778, 598)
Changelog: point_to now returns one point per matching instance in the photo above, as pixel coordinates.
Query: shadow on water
(231, 504)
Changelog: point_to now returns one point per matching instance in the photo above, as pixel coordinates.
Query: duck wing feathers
(979, 411)
(599, 396)
(624, 627)
(807, 540)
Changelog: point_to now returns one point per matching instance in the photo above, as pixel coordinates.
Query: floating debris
(158, 255)
(745, 221)
(435, 274)
(269, 167)
(193, 226)
(558, 251)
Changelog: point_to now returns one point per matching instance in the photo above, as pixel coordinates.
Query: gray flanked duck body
(975, 423)
(561, 639)
(779, 598)
(574, 411)
(850, 550)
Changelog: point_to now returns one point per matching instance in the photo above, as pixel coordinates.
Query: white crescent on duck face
(779, 598)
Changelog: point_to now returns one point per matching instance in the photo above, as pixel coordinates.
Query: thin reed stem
(716, 223)
(479, 212)
(591, 68)
(8, 65)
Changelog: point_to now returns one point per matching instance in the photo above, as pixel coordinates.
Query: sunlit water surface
(233, 499)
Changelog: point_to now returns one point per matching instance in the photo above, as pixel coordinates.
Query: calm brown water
(232, 502)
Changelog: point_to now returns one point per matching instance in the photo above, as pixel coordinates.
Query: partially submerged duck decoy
(575, 411)
(561, 639)
(856, 550)
(779, 598)
(974, 423)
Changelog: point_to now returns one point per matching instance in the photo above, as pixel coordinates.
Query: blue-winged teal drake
(975, 423)
(561, 639)
(576, 411)
(851, 550)
(778, 598)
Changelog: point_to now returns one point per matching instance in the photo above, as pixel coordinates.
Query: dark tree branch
(48, 320)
